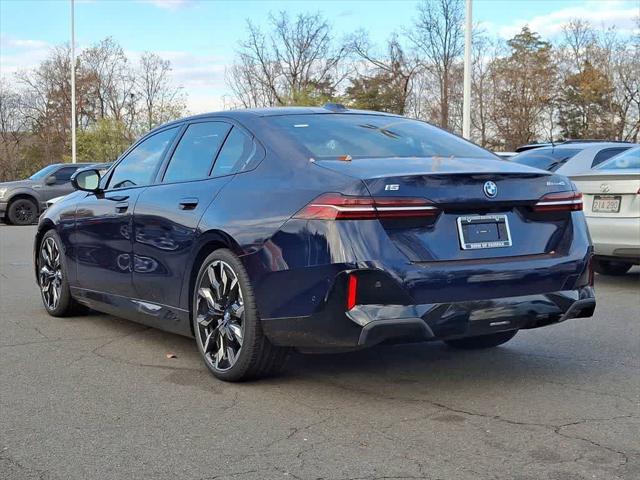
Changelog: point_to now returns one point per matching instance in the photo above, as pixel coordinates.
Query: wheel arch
(24, 195)
(207, 243)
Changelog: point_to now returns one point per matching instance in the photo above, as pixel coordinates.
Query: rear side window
(342, 136)
(194, 155)
(140, 165)
(546, 158)
(64, 174)
(238, 153)
(606, 154)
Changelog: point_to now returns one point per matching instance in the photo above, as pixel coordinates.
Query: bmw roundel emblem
(490, 189)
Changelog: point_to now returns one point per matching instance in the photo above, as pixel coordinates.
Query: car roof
(241, 113)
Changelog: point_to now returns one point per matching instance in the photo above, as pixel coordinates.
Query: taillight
(559, 202)
(335, 206)
(352, 290)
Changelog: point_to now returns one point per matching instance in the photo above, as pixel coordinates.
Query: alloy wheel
(220, 316)
(50, 273)
(24, 212)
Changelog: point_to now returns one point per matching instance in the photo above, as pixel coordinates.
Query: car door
(61, 186)
(166, 215)
(103, 233)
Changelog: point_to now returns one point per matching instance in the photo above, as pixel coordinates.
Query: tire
(482, 341)
(224, 315)
(22, 211)
(611, 267)
(52, 278)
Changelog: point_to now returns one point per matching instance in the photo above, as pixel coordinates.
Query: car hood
(19, 184)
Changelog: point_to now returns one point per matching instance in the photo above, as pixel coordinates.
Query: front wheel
(611, 267)
(52, 277)
(22, 212)
(482, 341)
(226, 322)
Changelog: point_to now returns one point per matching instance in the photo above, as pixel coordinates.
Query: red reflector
(559, 202)
(352, 288)
(335, 206)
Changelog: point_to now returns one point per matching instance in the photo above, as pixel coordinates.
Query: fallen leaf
(171, 355)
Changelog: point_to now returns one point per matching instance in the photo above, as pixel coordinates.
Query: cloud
(170, 4)
(616, 13)
(20, 54)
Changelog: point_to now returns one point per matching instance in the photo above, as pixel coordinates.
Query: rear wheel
(226, 322)
(22, 211)
(611, 267)
(482, 341)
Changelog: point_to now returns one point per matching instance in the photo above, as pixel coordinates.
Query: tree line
(117, 99)
(525, 89)
(583, 84)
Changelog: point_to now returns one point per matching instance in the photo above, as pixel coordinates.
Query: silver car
(612, 208)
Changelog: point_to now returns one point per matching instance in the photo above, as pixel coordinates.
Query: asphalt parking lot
(96, 397)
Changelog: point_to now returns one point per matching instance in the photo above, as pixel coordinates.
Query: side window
(140, 164)
(606, 154)
(64, 175)
(237, 154)
(194, 154)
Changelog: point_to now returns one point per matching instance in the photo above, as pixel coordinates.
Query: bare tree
(110, 77)
(161, 101)
(396, 67)
(438, 36)
(294, 63)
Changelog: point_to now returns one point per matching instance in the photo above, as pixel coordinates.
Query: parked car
(322, 229)
(101, 167)
(22, 201)
(612, 207)
(570, 158)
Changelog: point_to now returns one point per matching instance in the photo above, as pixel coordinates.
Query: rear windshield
(625, 161)
(340, 136)
(546, 158)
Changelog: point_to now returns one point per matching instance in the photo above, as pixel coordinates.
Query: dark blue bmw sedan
(320, 229)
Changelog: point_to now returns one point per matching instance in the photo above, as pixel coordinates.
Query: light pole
(73, 85)
(466, 100)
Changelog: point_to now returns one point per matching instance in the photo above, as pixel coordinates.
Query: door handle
(122, 207)
(188, 203)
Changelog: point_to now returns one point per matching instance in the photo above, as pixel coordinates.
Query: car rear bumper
(367, 325)
(615, 237)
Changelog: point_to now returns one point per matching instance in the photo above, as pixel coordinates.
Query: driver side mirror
(50, 180)
(87, 180)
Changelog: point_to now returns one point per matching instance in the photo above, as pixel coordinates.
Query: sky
(200, 37)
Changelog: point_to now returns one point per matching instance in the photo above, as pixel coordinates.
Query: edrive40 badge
(490, 189)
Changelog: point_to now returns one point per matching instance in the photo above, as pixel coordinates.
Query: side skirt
(162, 317)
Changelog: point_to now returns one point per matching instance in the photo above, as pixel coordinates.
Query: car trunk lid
(486, 207)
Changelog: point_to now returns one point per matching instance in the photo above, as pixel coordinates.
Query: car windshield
(347, 136)
(546, 158)
(624, 161)
(43, 173)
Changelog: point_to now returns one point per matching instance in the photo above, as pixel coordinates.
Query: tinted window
(64, 174)
(546, 158)
(237, 153)
(194, 154)
(139, 166)
(625, 161)
(606, 154)
(333, 136)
